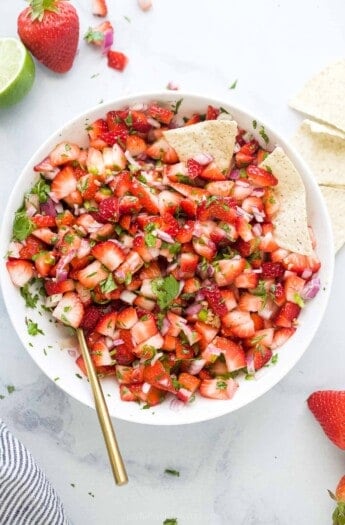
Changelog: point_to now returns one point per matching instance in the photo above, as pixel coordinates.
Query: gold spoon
(117, 465)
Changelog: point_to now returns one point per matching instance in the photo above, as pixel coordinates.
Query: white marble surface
(268, 463)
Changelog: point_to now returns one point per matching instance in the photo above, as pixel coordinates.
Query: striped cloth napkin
(26, 496)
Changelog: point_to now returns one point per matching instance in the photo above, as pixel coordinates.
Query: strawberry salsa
(169, 266)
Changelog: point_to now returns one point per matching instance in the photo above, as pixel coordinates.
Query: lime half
(17, 71)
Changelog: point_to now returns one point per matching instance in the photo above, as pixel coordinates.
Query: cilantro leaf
(166, 290)
(41, 189)
(170, 521)
(30, 299)
(32, 327)
(175, 107)
(172, 472)
(22, 226)
(264, 135)
(233, 85)
(108, 285)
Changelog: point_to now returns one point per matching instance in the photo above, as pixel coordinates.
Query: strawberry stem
(38, 8)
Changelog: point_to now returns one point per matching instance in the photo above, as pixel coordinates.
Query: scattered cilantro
(108, 285)
(274, 359)
(223, 110)
(72, 485)
(172, 472)
(203, 315)
(150, 240)
(93, 36)
(129, 120)
(145, 407)
(165, 290)
(30, 299)
(249, 377)
(233, 85)
(2, 397)
(41, 189)
(221, 384)
(32, 327)
(298, 300)
(175, 107)
(95, 75)
(10, 389)
(263, 134)
(127, 19)
(56, 378)
(254, 123)
(170, 521)
(79, 376)
(128, 278)
(22, 226)
(90, 494)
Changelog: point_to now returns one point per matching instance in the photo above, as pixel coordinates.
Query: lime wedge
(17, 71)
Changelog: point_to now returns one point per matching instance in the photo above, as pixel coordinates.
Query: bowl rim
(167, 96)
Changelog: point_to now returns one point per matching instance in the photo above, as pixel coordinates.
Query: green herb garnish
(41, 189)
(30, 299)
(22, 226)
(165, 290)
(108, 285)
(233, 85)
(172, 472)
(264, 135)
(32, 327)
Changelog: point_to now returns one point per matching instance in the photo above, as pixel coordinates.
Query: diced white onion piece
(128, 297)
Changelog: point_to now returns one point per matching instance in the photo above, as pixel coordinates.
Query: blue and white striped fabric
(26, 496)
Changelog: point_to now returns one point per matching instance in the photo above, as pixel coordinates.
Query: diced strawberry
(107, 325)
(45, 235)
(183, 351)
(260, 356)
(126, 394)
(135, 145)
(194, 169)
(43, 221)
(242, 159)
(63, 153)
(287, 315)
(271, 203)
(207, 333)
(260, 177)
(169, 343)
(281, 335)
(272, 270)
(108, 210)
(279, 294)
(64, 183)
(148, 200)
(44, 261)
(168, 202)
(233, 353)
(240, 323)
(117, 60)
(109, 254)
(247, 279)
(163, 115)
(20, 271)
(250, 303)
(161, 150)
(193, 193)
(157, 376)
(188, 263)
(140, 122)
(96, 35)
(220, 188)
(97, 128)
(204, 247)
(215, 299)
(121, 184)
(54, 287)
(144, 329)
(212, 113)
(213, 173)
(218, 388)
(147, 349)
(250, 148)
(30, 247)
(92, 275)
(127, 318)
(154, 396)
(131, 264)
(189, 382)
(99, 8)
(267, 243)
(221, 208)
(128, 374)
(191, 285)
(228, 269)
(293, 286)
(69, 310)
(91, 316)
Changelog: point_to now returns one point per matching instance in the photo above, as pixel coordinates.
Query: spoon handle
(117, 465)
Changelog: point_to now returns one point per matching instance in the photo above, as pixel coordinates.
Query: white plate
(56, 363)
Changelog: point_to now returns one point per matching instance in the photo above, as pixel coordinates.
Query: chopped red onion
(176, 404)
(145, 388)
(128, 297)
(165, 326)
(250, 363)
(156, 357)
(196, 365)
(311, 288)
(243, 183)
(139, 106)
(73, 352)
(48, 208)
(58, 207)
(234, 174)
(240, 211)
(257, 230)
(132, 160)
(61, 271)
(200, 296)
(176, 122)
(258, 215)
(258, 192)
(164, 236)
(237, 147)
(154, 123)
(193, 309)
(107, 40)
(53, 197)
(14, 249)
(306, 273)
(203, 158)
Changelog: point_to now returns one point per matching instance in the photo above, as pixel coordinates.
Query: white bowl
(56, 363)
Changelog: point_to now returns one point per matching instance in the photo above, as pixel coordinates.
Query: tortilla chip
(322, 97)
(291, 222)
(323, 149)
(215, 137)
(335, 201)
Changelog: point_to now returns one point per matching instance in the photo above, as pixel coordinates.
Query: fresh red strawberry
(215, 299)
(43, 221)
(117, 60)
(212, 113)
(261, 356)
(279, 294)
(97, 128)
(228, 269)
(121, 184)
(281, 335)
(99, 8)
(69, 310)
(91, 316)
(207, 333)
(272, 270)
(193, 193)
(127, 318)
(50, 30)
(131, 264)
(194, 168)
(213, 173)
(287, 315)
(240, 322)
(233, 353)
(168, 202)
(148, 200)
(92, 275)
(221, 208)
(128, 374)
(20, 271)
(293, 286)
(242, 159)
(108, 210)
(147, 349)
(248, 279)
(188, 263)
(163, 115)
(44, 261)
(218, 388)
(118, 133)
(144, 329)
(328, 407)
(135, 145)
(31, 247)
(54, 287)
(107, 325)
(109, 253)
(261, 177)
(250, 148)
(157, 376)
(139, 121)
(338, 515)
(64, 183)
(250, 303)
(161, 150)
(220, 188)
(100, 354)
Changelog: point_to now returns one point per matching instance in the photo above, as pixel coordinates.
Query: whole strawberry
(50, 30)
(328, 406)
(339, 496)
